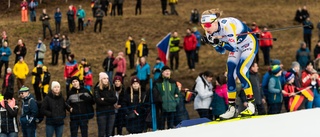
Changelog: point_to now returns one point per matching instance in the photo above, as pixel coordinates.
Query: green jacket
(174, 44)
(167, 92)
(81, 14)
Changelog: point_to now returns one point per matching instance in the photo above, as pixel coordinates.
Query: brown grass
(153, 26)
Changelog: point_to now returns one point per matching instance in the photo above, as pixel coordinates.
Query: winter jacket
(143, 72)
(37, 73)
(88, 79)
(70, 15)
(190, 42)
(306, 79)
(8, 116)
(24, 4)
(5, 57)
(108, 64)
(166, 92)
(80, 100)
(157, 71)
(55, 45)
(104, 106)
(54, 108)
(204, 96)
(121, 65)
(46, 78)
(8, 81)
(303, 56)
(257, 91)
(219, 102)
(174, 44)
(198, 36)
(21, 49)
(81, 14)
(57, 16)
(29, 111)
(307, 27)
(71, 69)
(33, 4)
(44, 19)
(65, 42)
(143, 50)
(275, 90)
(41, 47)
(81, 70)
(99, 14)
(265, 39)
(130, 47)
(20, 70)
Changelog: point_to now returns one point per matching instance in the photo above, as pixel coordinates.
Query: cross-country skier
(233, 35)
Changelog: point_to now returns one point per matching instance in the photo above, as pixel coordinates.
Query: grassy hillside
(152, 25)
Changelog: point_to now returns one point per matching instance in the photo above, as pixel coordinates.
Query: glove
(204, 39)
(216, 41)
(220, 49)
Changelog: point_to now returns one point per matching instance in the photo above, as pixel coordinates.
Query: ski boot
(249, 111)
(230, 113)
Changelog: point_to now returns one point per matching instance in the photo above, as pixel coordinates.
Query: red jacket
(71, 69)
(290, 88)
(190, 42)
(265, 39)
(306, 79)
(88, 79)
(121, 65)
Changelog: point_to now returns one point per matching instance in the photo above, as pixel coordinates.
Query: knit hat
(54, 83)
(75, 78)
(164, 68)
(8, 95)
(295, 64)
(275, 62)
(20, 57)
(103, 75)
(289, 76)
(83, 59)
(9, 69)
(39, 63)
(24, 89)
(72, 56)
(134, 79)
(117, 78)
(275, 69)
(158, 58)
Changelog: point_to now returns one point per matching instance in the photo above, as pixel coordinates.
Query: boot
(230, 113)
(250, 110)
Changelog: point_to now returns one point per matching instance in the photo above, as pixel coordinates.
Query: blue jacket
(29, 111)
(143, 72)
(303, 56)
(81, 14)
(157, 72)
(5, 57)
(265, 81)
(307, 27)
(275, 90)
(198, 36)
(57, 16)
(55, 44)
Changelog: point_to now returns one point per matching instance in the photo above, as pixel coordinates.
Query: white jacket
(204, 96)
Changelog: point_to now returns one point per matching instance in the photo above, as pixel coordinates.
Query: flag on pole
(163, 48)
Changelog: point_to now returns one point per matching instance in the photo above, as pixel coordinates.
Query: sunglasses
(208, 24)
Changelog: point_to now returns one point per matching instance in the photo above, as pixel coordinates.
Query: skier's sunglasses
(208, 24)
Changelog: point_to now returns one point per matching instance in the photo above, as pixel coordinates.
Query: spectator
(121, 68)
(104, 6)
(120, 7)
(4, 38)
(80, 100)
(194, 17)
(143, 73)
(164, 7)
(316, 50)
(99, 14)
(70, 70)
(143, 50)
(20, 50)
(45, 80)
(219, 103)
(310, 78)
(57, 18)
(28, 113)
(87, 78)
(65, 48)
(305, 14)
(119, 89)
(174, 50)
(307, 32)
(4, 58)
(32, 6)
(182, 112)
(39, 52)
(24, 11)
(81, 14)
(203, 99)
(157, 69)
(71, 17)
(8, 82)
(298, 17)
(190, 45)
(54, 108)
(254, 78)
(37, 73)
(44, 17)
(133, 104)
(303, 55)
(275, 91)
(55, 46)
(295, 69)
(20, 70)
(290, 90)
(105, 99)
(166, 95)
(198, 36)
(130, 50)
(108, 65)
(173, 4)
(94, 6)
(114, 4)
(318, 27)
(138, 7)
(81, 66)
(266, 44)
(9, 116)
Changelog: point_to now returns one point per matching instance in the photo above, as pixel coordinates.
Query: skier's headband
(208, 18)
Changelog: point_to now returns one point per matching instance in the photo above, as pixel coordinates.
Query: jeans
(205, 113)
(266, 55)
(174, 56)
(58, 24)
(29, 131)
(80, 24)
(44, 30)
(57, 129)
(55, 56)
(33, 15)
(74, 126)
(190, 58)
(12, 134)
(105, 124)
(98, 21)
(110, 75)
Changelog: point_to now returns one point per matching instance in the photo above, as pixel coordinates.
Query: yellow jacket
(128, 47)
(81, 71)
(140, 49)
(173, 1)
(21, 70)
(34, 70)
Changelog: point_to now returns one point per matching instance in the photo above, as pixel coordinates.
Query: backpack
(39, 118)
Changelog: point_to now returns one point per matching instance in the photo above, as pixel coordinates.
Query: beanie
(295, 64)
(39, 63)
(275, 69)
(75, 78)
(289, 76)
(9, 69)
(55, 83)
(275, 62)
(103, 75)
(24, 89)
(117, 78)
(164, 68)
(134, 79)
(72, 56)
(8, 95)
